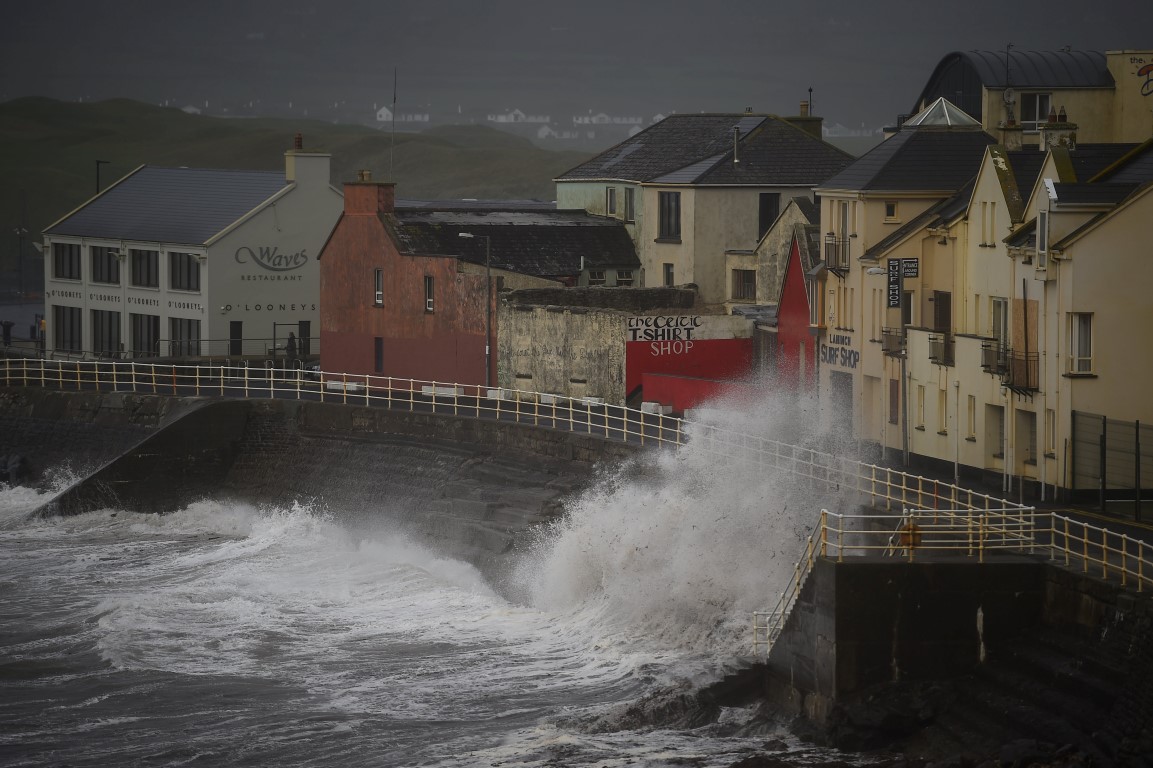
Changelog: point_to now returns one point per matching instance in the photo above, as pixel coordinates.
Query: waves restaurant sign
(270, 258)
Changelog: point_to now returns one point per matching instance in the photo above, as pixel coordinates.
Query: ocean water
(226, 634)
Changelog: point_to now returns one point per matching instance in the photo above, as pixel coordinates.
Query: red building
(410, 292)
(790, 358)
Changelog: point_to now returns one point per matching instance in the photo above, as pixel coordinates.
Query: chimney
(366, 197)
(804, 109)
(1058, 132)
(306, 168)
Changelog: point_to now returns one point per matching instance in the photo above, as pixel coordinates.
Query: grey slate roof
(171, 205)
(698, 149)
(1093, 194)
(541, 243)
(926, 158)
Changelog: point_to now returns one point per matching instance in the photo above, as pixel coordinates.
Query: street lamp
(488, 304)
(897, 280)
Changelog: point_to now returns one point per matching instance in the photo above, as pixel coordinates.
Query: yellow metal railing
(967, 533)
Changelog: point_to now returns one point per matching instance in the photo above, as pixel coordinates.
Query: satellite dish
(1010, 96)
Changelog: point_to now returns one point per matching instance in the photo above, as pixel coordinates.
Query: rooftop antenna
(811, 111)
(392, 142)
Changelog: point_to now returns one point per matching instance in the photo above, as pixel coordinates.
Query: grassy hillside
(49, 149)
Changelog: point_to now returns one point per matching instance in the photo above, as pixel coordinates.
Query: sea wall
(469, 487)
(879, 648)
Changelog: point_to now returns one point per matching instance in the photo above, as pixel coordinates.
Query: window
(890, 211)
(630, 204)
(183, 271)
(429, 293)
(66, 261)
(611, 201)
(624, 277)
(184, 337)
(145, 268)
(971, 420)
(1050, 432)
(596, 277)
(1042, 238)
(1080, 342)
(942, 412)
(378, 354)
(105, 332)
(745, 284)
(67, 325)
(1034, 110)
(669, 216)
(999, 322)
(920, 406)
(378, 287)
(145, 331)
(814, 289)
(105, 265)
(768, 208)
(669, 280)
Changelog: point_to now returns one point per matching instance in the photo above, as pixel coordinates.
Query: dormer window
(1042, 238)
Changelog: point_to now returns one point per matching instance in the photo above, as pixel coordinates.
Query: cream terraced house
(858, 312)
(693, 188)
(1051, 283)
(186, 262)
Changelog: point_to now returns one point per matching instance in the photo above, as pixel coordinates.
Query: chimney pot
(1052, 115)
(365, 175)
(1062, 117)
(298, 142)
(804, 109)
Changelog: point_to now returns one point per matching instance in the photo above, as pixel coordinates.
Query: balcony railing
(941, 346)
(1022, 371)
(1018, 370)
(994, 356)
(892, 341)
(836, 252)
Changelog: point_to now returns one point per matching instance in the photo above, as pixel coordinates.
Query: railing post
(824, 532)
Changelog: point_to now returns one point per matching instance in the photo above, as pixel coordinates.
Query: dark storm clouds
(866, 61)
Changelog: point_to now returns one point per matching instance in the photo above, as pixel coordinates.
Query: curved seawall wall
(467, 485)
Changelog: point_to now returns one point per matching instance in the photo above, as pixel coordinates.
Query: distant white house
(384, 115)
(516, 116)
(602, 119)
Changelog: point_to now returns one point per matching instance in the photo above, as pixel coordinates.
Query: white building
(189, 262)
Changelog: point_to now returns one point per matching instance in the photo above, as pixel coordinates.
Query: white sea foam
(678, 548)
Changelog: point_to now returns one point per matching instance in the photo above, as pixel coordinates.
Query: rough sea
(238, 635)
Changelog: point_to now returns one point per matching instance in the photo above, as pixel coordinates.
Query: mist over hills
(50, 150)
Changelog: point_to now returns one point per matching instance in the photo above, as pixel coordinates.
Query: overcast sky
(865, 61)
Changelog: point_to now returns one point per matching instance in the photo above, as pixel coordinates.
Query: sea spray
(678, 547)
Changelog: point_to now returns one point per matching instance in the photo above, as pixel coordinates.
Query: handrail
(966, 533)
(945, 518)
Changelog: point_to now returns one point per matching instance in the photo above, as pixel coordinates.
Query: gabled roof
(916, 159)
(698, 149)
(1088, 160)
(171, 205)
(1017, 174)
(1136, 165)
(541, 243)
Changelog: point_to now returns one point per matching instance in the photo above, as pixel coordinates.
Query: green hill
(49, 151)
